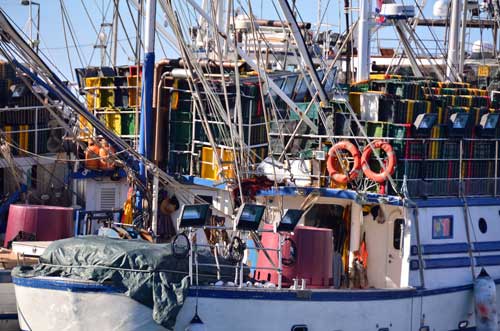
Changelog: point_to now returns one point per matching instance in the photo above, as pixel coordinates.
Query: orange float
(92, 155)
(382, 176)
(104, 152)
(337, 176)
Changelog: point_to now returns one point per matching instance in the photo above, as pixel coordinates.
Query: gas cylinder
(485, 297)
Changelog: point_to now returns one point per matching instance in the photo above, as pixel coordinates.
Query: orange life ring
(330, 163)
(389, 167)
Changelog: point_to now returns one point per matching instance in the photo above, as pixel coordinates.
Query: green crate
(377, 129)
(128, 124)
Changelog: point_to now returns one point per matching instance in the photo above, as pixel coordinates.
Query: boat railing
(468, 166)
(239, 266)
(26, 129)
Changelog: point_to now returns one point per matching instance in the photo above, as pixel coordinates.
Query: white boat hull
(8, 310)
(62, 304)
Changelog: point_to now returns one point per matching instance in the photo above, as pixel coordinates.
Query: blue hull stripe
(326, 295)
(61, 285)
(5, 276)
(456, 248)
(7, 316)
(261, 294)
(456, 262)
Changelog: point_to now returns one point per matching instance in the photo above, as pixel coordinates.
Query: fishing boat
(371, 207)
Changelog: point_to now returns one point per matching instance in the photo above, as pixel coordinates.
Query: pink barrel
(46, 223)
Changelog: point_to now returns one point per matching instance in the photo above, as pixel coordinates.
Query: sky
(86, 16)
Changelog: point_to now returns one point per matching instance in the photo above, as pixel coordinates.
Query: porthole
(483, 226)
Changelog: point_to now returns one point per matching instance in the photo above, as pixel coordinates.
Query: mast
(348, 44)
(452, 60)
(463, 31)
(114, 33)
(364, 42)
(145, 132)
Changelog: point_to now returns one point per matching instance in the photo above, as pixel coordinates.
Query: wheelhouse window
(397, 233)
(442, 227)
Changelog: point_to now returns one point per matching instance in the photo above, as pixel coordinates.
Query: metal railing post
(460, 178)
(496, 168)
(280, 266)
(36, 130)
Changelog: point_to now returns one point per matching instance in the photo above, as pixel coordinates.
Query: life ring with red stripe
(337, 176)
(390, 166)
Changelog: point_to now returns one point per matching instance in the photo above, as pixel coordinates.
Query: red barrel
(313, 257)
(45, 223)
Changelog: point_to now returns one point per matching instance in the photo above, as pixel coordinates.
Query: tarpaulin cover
(148, 273)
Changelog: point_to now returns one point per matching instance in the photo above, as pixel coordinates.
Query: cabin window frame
(399, 232)
(441, 218)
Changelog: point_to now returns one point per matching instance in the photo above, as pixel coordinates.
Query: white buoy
(440, 8)
(485, 297)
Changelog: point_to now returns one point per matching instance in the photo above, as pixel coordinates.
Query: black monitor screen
(460, 121)
(491, 121)
(290, 220)
(249, 217)
(195, 215)
(427, 122)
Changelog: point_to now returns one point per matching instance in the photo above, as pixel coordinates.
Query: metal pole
(154, 207)
(462, 41)
(363, 73)
(496, 168)
(280, 257)
(304, 53)
(145, 133)
(271, 84)
(31, 24)
(348, 45)
(452, 60)
(114, 33)
(37, 45)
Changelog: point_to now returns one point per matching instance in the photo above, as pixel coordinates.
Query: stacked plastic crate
(113, 95)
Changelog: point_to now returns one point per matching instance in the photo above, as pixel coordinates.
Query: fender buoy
(330, 163)
(91, 156)
(104, 152)
(389, 167)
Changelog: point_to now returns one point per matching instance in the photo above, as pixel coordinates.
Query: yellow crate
(354, 100)
(209, 167)
(8, 133)
(483, 71)
(134, 94)
(112, 120)
(174, 97)
(93, 84)
(23, 138)
(86, 129)
(409, 113)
